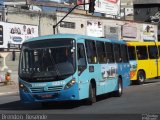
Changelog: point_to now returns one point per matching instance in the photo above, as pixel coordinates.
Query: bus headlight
(70, 84)
(24, 88)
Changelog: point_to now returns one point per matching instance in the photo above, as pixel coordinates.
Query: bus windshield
(47, 60)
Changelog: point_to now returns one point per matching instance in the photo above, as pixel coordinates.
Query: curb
(9, 93)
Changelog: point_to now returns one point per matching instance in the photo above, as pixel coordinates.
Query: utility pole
(91, 8)
(54, 26)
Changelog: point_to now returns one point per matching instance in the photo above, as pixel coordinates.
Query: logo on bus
(58, 83)
(39, 85)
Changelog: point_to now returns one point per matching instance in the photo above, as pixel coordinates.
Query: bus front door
(82, 71)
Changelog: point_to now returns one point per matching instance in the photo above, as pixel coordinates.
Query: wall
(136, 30)
(43, 20)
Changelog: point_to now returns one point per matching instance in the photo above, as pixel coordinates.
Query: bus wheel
(119, 92)
(140, 78)
(92, 95)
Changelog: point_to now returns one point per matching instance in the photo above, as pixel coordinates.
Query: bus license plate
(46, 96)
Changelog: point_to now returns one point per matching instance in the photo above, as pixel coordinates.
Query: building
(144, 9)
(4, 4)
(147, 11)
(127, 11)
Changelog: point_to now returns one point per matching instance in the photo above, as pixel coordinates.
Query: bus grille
(48, 89)
(54, 89)
(37, 90)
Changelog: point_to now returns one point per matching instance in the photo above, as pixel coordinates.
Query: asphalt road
(136, 100)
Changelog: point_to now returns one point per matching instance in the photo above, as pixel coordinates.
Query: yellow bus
(144, 60)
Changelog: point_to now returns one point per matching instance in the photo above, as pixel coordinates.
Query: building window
(113, 29)
(67, 25)
(148, 11)
(137, 11)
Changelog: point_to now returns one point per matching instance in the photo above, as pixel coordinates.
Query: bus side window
(142, 52)
(109, 52)
(153, 52)
(117, 53)
(132, 53)
(91, 51)
(81, 55)
(158, 51)
(101, 52)
(139, 55)
(124, 53)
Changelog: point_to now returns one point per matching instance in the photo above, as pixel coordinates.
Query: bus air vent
(37, 89)
(54, 88)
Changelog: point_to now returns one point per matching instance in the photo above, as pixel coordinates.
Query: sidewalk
(8, 89)
(12, 87)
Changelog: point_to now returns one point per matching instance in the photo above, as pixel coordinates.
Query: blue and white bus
(66, 67)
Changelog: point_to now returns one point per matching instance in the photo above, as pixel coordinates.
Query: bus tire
(140, 77)
(119, 92)
(92, 95)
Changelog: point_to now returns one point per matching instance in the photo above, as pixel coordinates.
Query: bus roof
(72, 36)
(141, 43)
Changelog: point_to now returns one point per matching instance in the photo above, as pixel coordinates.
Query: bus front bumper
(63, 95)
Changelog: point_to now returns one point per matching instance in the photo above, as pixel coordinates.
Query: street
(76, 49)
(136, 99)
